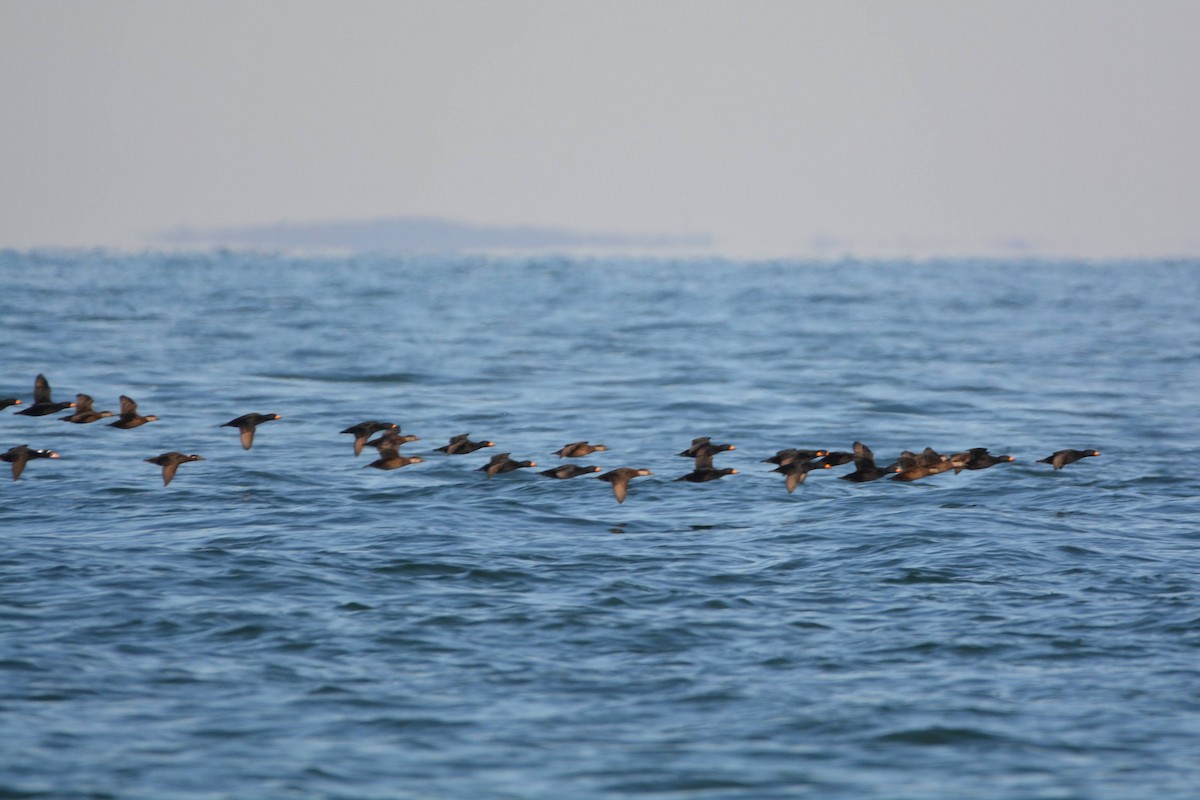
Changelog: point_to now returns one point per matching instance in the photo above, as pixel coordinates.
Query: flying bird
(705, 474)
(130, 418)
(978, 458)
(865, 468)
(568, 471)
(1063, 457)
(620, 477)
(578, 450)
(461, 444)
(21, 454)
(391, 459)
(392, 440)
(84, 411)
(502, 463)
(365, 430)
(170, 463)
(797, 471)
(42, 404)
(246, 425)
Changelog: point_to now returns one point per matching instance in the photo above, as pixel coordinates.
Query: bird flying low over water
(170, 463)
(837, 458)
(793, 463)
(365, 430)
(865, 469)
(568, 471)
(705, 474)
(578, 450)
(792, 454)
(392, 440)
(702, 451)
(797, 471)
(914, 466)
(84, 411)
(977, 458)
(130, 418)
(20, 455)
(246, 425)
(391, 459)
(42, 404)
(620, 477)
(1063, 457)
(461, 444)
(502, 463)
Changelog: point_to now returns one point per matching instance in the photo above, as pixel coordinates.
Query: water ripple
(285, 622)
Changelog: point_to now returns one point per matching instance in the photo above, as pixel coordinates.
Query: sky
(928, 127)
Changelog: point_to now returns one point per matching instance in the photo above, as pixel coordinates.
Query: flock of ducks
(794, 464)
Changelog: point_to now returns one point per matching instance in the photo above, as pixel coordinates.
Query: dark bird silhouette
(42, 404)
(620, 477)
(797, 471)
(170, 463)
(703, 447)
(704, 474)
(365, 430)
(502, 463)
(792, 454)
(20, 455)
(837, 458)
(914, 466)
(129, 415)
(697, 443)
(578, 450)
(702, 451)
(462, 444)
(568, 471)
(1063, 457)
(9, 401)
(390, 458)
(84, 411)
(865, 468)
(977, 458)
(392, 440)
(246, 425)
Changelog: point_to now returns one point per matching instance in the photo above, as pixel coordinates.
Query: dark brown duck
(392, 440)
(247, 423)
(914, 466)
(501, 463)
(391, 459)
(865, 468)
(1063, 457)
(620, 477)
(578, 450)
(84, 411)
(170, 463)
(792, 454)
(462, 444)
(20, 455)
(797, 471)
(568, 471)
(42, 403)
(130, 418)
(705, 474)
(365, 430)
(977, 458)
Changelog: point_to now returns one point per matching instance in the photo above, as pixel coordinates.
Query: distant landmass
(422, 234)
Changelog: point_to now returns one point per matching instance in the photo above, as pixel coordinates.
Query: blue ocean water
(283, 623)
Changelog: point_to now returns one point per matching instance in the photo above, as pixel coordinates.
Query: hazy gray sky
(780, 128)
